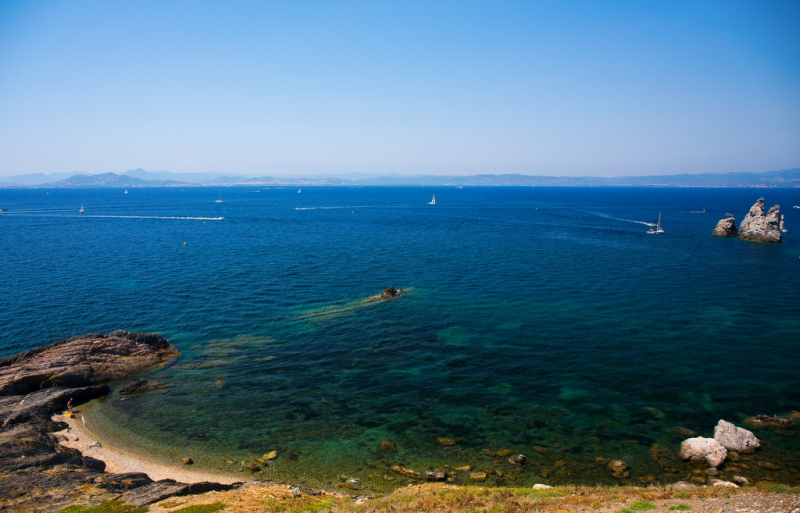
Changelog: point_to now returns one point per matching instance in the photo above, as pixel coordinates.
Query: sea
(542, 321)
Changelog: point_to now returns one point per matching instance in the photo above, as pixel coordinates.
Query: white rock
(741, 481)
(700, 449)
(735, 438)
(722, 484)
(541, 487)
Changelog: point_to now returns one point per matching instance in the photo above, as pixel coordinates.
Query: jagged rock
(390, 292)
(160, 490)
(83, 361)
(140, 385)
(703, 449)
(735, 438)
(94, 463)
(741, 481)
(40, 406)
(760, 228)
(725, 228)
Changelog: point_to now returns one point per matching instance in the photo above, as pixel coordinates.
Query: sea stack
(725, 228)
(758, 227)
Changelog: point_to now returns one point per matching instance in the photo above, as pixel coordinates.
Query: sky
(583, 88)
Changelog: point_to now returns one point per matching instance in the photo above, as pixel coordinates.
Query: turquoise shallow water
(539, 317)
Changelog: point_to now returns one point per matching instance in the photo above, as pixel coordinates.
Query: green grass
(626, 510)
(642, 505)
(680, 507)
(783, 489)
(202, 508)
(681, 495)
(114, 506)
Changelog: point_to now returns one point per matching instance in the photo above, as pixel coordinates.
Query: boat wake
(159, 217)
(622, 219)
(330, 208)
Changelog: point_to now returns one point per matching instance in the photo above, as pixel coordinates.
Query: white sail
(432, 201)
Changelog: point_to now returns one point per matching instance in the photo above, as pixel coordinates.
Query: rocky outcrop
(758, 227)
(703, 449)
(37, 473)
(734, 438)
(82, 361)
(725, 228)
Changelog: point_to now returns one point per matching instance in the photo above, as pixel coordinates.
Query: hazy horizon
(568, 89)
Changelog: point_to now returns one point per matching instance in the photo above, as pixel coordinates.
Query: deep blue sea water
(537, 317)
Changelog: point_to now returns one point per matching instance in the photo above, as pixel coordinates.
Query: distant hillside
(112, 180)
(783, 178)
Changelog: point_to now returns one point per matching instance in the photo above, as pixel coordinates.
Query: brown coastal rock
(758, 227)
(725, 228)
(83, 361)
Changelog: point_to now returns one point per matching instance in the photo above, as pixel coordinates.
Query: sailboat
(219, 200)
(432, 201)
(298, 191)
(657, 229)
(126, 191)
(81, 210)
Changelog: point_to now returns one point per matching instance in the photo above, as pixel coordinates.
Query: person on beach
(69, 406)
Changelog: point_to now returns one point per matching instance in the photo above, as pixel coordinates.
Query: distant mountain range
(142, 178)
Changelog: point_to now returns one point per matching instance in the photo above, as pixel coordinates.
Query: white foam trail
(622, 219)
(329, 208)
(157, 217)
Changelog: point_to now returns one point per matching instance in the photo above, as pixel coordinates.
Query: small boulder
(478, 476)
(540, 486)
(387, 446)
(617, 466)
(703, 449)
(725, 228)
(406, 472)
(187, 461)
(93, 463)
(741, 481)
(735, 438)
(435, 475)
(517, 459)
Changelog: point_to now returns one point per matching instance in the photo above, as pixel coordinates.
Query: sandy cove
(79, 436)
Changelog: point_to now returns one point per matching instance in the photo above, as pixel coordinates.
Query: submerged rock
(436, 475)
(406, 472)
(517, 459)
(725, 228)
(735, 438)
(140, 385)
(703, 449)
(387, 446)
(766, 421)
(758, 227)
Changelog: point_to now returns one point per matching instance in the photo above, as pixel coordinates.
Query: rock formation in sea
(725, 228)
(703, 449)
(758, 227)
(37, 473)
(734, 438)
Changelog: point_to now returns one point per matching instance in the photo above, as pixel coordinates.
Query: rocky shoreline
(44, 467)
(37, 472)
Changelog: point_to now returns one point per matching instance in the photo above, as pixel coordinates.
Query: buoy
(184, 243)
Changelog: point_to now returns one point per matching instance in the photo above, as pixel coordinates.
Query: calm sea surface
(536, 317)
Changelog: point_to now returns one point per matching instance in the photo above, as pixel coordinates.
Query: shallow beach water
(538, 317)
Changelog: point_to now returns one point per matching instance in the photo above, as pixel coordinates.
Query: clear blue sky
(555, 88)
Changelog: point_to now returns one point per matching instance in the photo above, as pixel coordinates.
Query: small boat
(796, 206)
(219, 200)
(657, 229)
(81, 210)
(298, 191)
(432, 201)
(3, 210)
(126, 191)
